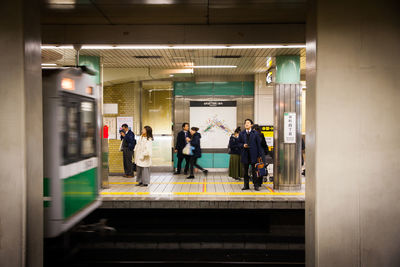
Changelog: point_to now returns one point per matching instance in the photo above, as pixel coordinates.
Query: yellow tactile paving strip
(215, 185)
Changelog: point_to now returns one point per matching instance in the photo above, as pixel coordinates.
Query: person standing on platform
(195, 143)
(264, 148)
(128, 145)
(235, 168)
(249, 142)
(143, 154)
(180, 144)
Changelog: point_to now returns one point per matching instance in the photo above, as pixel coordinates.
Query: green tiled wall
(210, 160)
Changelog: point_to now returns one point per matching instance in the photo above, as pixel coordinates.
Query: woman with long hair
(195, 143)
(143, 154)
(235, 168)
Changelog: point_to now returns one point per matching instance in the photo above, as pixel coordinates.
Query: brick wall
(127, 97)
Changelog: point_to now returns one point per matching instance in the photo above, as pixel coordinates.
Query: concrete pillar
(287, 124)
(21, 140)
(353, 134)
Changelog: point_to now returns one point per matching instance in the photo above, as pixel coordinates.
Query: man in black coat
(180, 145)
(128, 146)
(250, 144)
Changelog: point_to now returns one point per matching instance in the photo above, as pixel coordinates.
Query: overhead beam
(174, 34)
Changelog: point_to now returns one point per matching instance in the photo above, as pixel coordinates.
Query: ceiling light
(49, 64)
(212, 67)
(147, 57)
(127, 47)
(57, 47)
(227, 56)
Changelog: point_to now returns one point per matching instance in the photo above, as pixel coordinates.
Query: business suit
(250, 155)
(128, 145)
(195, 143)
(180, 145)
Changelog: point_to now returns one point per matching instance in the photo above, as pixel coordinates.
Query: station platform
(216, 190)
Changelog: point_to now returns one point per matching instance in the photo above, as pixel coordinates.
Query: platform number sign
(290, 127)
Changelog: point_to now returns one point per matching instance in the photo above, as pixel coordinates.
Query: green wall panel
(93, 63)
(209, 160)
(221, 160)
(206, 160)
(214, 88)
(79, 191)
(288, 69)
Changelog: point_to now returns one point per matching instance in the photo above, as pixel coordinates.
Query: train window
(71, 146)
(88, 128)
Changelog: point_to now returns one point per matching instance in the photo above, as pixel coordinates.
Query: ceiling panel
(251, 61)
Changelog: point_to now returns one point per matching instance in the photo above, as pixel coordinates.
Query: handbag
(120, 146)
(187, 150)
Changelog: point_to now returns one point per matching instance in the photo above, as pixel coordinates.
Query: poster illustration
(111, 122)
(216, 121)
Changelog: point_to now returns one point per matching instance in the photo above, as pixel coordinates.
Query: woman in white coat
(143, 153)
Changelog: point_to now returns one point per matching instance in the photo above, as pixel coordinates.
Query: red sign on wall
(105, 132)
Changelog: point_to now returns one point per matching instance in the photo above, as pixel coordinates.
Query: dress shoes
(245, 188)
(190, 177)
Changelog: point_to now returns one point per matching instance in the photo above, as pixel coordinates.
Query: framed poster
(122, 120)
(111, 122)
(216, 121)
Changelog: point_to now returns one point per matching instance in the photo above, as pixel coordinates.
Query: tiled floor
(215, 186)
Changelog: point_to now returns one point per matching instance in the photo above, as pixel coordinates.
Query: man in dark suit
(128, 145)
(250, 144)
(180, 145)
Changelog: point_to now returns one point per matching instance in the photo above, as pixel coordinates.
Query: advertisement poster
(268, 132)
(216, 121)
(111, 122)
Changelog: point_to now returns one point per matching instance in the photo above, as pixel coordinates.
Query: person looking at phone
(250, 144)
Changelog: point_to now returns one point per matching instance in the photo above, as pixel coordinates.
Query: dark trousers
(246, 181)
(127, 156)
(193, 162)
(180, 160)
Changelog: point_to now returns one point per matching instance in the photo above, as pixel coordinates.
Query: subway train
(71, 132)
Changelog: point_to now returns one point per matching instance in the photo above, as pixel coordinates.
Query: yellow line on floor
(209, 193)
(187, 183)
(124, 193)
(128, 183)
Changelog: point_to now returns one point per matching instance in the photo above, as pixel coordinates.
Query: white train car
(71, 121)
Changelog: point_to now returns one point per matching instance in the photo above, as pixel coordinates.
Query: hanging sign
(290, 127)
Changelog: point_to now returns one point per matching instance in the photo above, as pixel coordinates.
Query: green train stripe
(79, 191)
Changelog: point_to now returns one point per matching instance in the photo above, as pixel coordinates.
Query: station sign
(289, 127)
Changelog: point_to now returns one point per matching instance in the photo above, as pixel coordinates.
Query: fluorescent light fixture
(48, 64)
(136, 47)
(127, 47)
(213, 67)
(264, 46)
(57, 47)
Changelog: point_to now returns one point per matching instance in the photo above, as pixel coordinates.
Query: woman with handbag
(196, 151)
(143, 154)
(235, 168)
